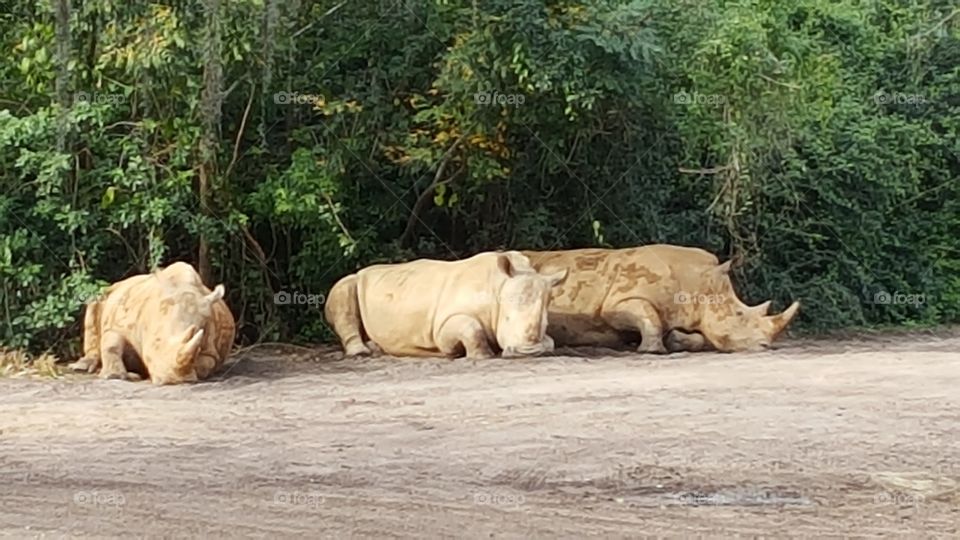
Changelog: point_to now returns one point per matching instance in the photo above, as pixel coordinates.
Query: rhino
(655, 292)
(473, 307)
(165, 325)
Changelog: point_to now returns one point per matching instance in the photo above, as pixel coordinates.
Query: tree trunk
(62, 83)
(211, 103)
(270, 15)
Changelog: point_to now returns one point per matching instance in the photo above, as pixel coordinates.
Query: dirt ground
(817, 439)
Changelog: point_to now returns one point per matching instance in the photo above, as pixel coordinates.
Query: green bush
(817, 142)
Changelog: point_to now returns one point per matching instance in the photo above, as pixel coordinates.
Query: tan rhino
(166, 326)
(430, 308)
(615, 296)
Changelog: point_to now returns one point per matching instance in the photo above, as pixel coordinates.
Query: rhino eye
(739, 313)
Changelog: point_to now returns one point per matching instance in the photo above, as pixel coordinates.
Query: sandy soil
(816, 439)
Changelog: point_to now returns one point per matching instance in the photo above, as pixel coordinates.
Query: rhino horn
(191, 339)
(781, 320)
(761, 309)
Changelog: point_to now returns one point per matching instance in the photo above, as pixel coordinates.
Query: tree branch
(774, 81)
(714, 170)
(243, 125)
(418, 207)
(337, 217)
(937, 26)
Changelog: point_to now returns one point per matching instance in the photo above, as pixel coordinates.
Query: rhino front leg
(342, 312)
(637, 315)
(86, 364)
(112, 345)
(679, 341)
(466, 332)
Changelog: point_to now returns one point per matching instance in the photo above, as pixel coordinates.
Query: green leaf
(108, 197)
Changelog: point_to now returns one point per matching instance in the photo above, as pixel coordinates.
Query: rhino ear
(505, 264)
(557, 278)
(719, 271)
(217, 294)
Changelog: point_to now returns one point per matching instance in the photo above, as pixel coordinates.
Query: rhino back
(181, 274)
(122, 308)
(657, 273)
(679, 256)
(587, 282)
(403, 305)
(599, 276)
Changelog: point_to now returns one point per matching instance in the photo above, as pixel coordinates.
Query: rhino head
(522, 302)
(178, 339)
(729, 324)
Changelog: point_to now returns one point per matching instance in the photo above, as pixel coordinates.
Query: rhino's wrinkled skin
(166, 326)
(439, 308)
(614, 296)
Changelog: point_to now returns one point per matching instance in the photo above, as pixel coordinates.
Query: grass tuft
(17, 363)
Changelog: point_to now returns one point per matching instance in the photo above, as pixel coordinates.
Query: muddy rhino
(475, 306)
(615, 296)
(166, 326)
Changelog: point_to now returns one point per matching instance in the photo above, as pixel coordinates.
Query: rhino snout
(543, 347)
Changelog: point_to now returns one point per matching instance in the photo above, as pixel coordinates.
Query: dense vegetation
(281, 145)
